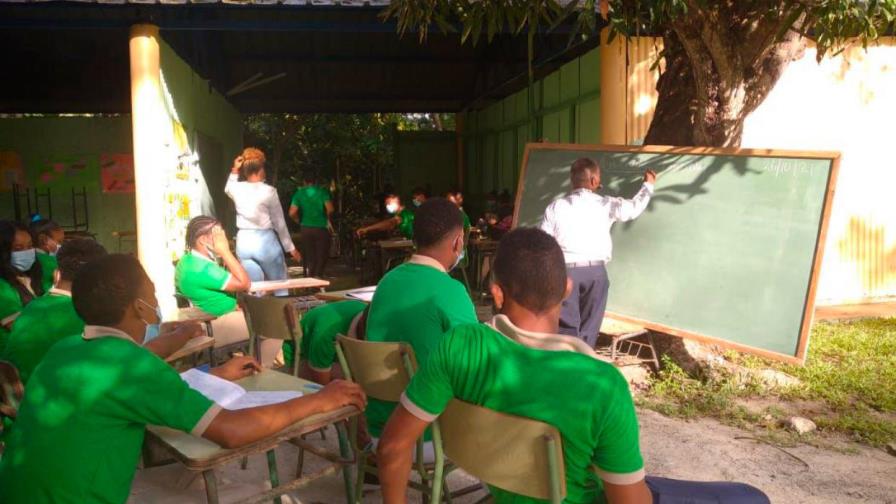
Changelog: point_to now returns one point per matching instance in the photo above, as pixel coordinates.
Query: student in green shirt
(81, 423)
(518, 364)
(417, 302)
(320, 326)
(21, 275)
(211, 288)
(311, 207)
(47, 237)
(52, 317)
(457, 197)
(402, 217)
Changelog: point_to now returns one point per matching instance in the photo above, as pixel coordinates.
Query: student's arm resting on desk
(383, 225)
(235, 428)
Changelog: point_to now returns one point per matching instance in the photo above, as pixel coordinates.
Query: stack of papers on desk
(231, 396)
(363, 294)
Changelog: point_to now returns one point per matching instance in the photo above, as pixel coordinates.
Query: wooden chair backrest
(382, 369)
(516, 454)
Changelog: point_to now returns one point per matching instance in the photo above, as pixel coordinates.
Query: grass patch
(850, 372)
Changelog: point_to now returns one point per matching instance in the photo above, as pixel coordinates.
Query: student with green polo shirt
(211, 288)
(21, 275)
(81, 423)
(320, 326)
(417, 302)
(47, 237)
(518, 364)
(402, 217)
(312, 207)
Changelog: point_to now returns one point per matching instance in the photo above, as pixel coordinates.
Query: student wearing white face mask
(20, 274)
(211, 288)
(47, 237)
(401, 217)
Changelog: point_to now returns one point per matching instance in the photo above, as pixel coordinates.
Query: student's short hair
(530, 269)
(105, 287)
(582, 170)
(199, 227)
(75, 254)
(419, 190)
(42, 227)
(434, 220)
(253, 161)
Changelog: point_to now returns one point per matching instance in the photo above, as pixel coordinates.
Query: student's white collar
(94, 332)
(60, 292)
(201, 255)
(427, 261)
(540, 341)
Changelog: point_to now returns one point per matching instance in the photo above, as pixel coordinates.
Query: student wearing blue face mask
(20, 274)
(47, 237)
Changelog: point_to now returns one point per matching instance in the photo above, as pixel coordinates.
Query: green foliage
(848, 385)
(833, 24)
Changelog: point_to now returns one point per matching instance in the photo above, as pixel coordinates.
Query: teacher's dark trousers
(315, 250)
(583, 311)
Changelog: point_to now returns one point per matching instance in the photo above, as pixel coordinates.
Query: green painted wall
(425, 159)
(214, 131)
(70, 143)
(567, 110)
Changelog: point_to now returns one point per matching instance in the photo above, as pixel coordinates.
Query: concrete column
(150, 123)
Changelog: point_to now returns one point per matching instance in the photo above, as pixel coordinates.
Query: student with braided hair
(212, 288)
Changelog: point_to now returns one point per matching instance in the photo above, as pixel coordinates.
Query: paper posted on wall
(231, 396)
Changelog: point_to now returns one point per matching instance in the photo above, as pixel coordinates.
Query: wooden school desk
(201, 455)
(341, 295)
(268, 286)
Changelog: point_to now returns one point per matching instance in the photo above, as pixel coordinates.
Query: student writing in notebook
(81, 423)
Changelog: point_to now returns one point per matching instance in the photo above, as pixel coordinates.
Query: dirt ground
(698, 450)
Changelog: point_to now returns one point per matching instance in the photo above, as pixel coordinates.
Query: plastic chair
(383, 370)
(272, 318)
(11, 391)
(516, 454)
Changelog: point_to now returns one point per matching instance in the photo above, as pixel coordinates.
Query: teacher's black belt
(585, 264)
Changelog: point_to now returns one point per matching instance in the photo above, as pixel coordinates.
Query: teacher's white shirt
(258, 207)
(581, 221)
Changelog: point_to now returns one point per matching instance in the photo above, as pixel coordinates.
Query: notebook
(364, 294)
(231, 396)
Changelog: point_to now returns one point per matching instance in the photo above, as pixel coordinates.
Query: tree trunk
(721, 63)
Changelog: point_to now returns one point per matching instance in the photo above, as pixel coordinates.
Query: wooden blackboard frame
(808, 304)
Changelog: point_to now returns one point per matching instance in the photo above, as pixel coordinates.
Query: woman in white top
(263, 237)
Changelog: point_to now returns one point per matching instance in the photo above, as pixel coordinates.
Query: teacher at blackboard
(581, 222)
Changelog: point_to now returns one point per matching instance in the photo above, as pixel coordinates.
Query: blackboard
(727, 252)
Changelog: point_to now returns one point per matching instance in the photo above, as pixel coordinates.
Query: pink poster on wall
(117, 173)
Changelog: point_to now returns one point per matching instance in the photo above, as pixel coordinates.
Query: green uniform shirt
(587, 400)
(48, 266)
(10, 305)
(43, 322)
(415, 303)
(406, 226)
(80, 427)
(202, 281)
(310, 201)
(467, 223)
(320, 326)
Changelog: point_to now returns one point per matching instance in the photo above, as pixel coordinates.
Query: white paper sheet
(217, 389)
(364, 294)
(261, 398)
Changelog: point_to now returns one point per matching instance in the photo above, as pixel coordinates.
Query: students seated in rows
(402, 217)
(518, 364)
(320, 326)
(418, 302)
(47, 237)
(21, 276)
(211, 288)
(52, 317)
(81, 423)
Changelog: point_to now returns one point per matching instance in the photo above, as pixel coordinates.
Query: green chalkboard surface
(729, 248)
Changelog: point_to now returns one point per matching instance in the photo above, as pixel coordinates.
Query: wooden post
(149, 123)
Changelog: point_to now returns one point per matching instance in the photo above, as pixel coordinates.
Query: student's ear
(569, 286)
(497, 295)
